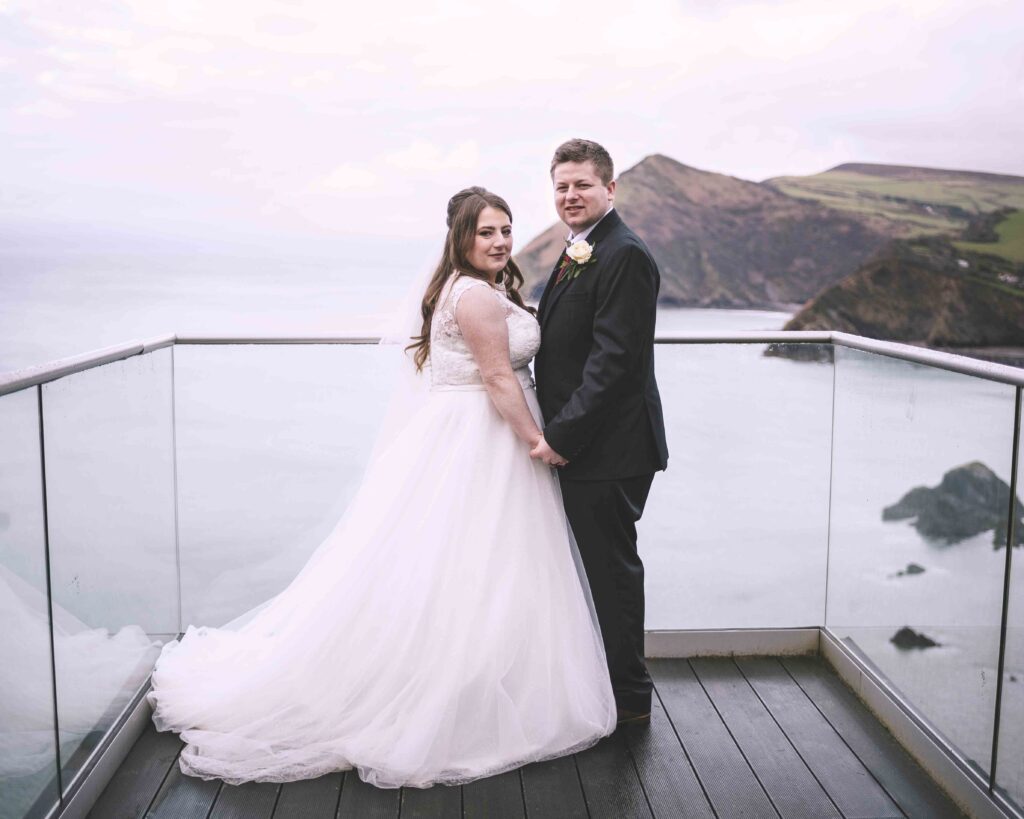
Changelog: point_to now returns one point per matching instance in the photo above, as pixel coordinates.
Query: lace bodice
(451, 363)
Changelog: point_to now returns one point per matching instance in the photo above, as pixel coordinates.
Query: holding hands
(543, 452)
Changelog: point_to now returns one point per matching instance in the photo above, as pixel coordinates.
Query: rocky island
(969, 500)
(906, 638)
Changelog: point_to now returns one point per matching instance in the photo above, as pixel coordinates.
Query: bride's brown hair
(463, 213)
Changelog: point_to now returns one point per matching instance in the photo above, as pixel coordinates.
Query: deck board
(611, 784)
(788, 781)
(728, 780)
(362, 801)
(671, 786)
(253, 800)
(131, 790)
(438, 802)
(496, 797)
(752, 737)
(552, 790)
(310, 798)
(183, 797)
(880, 752)
(850, 785)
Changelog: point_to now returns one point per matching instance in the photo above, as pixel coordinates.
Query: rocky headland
(725, 242)
(921, 255)
(931, 293)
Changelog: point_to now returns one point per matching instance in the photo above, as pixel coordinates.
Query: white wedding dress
(442, 632)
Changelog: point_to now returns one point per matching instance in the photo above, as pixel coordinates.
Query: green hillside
(916, 201)
(1009, 235)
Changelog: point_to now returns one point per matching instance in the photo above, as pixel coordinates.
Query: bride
(443, 631)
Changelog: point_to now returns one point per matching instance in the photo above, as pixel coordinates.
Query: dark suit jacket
(595, 369)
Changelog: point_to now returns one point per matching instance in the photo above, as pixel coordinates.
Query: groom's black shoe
(632, 717)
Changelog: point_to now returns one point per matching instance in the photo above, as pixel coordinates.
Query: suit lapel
(545, 297)
(553, 293)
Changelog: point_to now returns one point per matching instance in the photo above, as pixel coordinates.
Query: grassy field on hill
(1011, 240)
(920, 204)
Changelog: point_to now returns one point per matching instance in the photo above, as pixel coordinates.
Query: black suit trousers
(603, 516)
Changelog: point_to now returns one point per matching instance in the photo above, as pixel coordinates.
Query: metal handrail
(30, 376)
(51, 371)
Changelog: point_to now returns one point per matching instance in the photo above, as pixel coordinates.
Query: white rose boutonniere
(577, 256)
(580, 252)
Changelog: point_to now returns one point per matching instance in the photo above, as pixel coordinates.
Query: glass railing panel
(1010, 756)
(734, 533)
(110, 496)
(921, 466)
(272, 442)
(28, 746)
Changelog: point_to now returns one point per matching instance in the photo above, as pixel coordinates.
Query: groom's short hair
(583, 150)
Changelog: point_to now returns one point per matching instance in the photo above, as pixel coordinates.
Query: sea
(769, 515)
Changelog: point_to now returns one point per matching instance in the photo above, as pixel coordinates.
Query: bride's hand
(545, 453)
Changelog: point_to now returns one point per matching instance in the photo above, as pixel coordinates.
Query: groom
(602, 410)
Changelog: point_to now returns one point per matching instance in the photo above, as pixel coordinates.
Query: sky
(283, 120)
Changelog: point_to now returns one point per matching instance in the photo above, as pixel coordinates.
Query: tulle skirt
(442, 632)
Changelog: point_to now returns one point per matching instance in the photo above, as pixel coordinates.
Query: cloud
(426, 157)
(419, 158)
(78, 86)
(315, 79)
(349, 177)
(318, 116)
(45, 108)
(369, 66)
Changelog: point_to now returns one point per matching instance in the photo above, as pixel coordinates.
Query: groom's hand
(547, 454)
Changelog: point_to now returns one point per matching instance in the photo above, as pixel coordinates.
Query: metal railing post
(831, 470)
(174, 467)
(1010, 521)
(49, 591)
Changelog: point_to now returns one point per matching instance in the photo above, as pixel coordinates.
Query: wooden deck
(750, 737)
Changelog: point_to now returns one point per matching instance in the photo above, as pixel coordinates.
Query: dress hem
(450, 778)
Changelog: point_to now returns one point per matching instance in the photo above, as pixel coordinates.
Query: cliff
(725, 242)
(925, 291)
